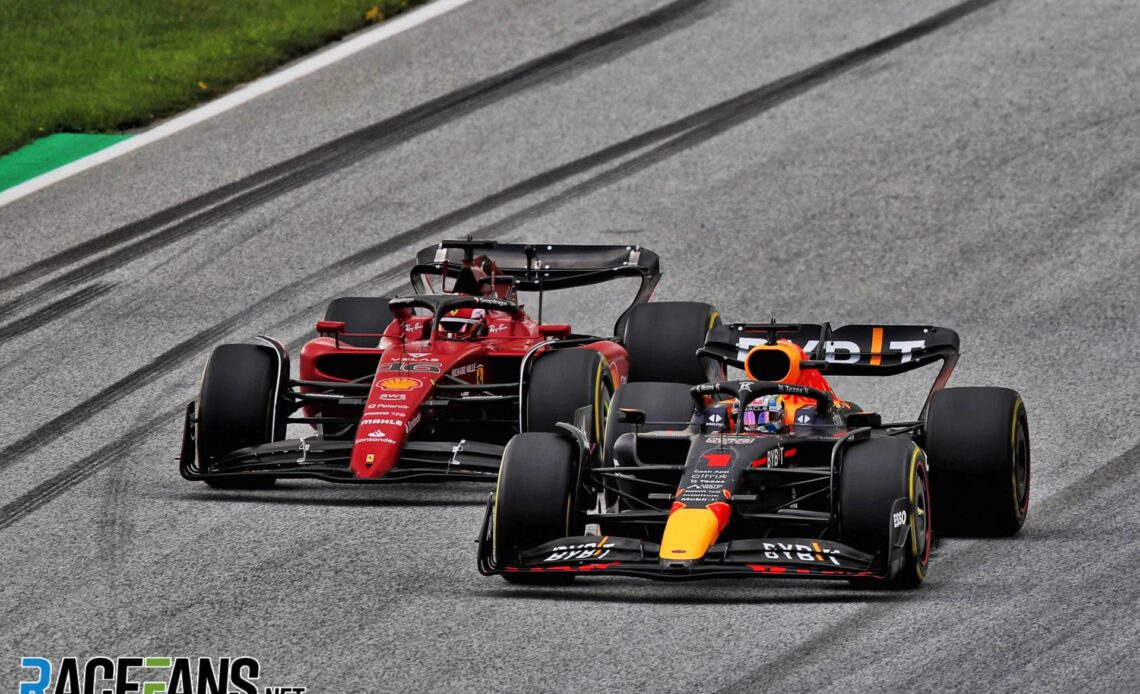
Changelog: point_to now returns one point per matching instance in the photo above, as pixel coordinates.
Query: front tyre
(237, 408)
(884, 508)
(534, 501)
(978, 443)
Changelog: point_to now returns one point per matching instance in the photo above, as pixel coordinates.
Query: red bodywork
(408, 366)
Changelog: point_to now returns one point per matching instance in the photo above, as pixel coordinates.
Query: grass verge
(108, 65)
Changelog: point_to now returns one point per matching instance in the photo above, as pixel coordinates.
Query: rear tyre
(561, 382)
(361, 314)
(237, 407)
(875, 474)
(669, 404)
(663, 338)
(978, 443)
(534, 501)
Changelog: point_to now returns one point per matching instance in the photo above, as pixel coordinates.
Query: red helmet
(463, 323)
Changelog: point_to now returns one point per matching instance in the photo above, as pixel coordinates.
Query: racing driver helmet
(463, 324)
(765, 415)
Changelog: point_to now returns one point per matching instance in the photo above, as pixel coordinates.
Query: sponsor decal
(391, 401)
(775, 457)
(466, 369)
(370, 458)
(498, 304)
(716, 418)
(148, 675)
(378, 435)
(717, 459)
(404, 383)
(898, 519)
(704, 487)
(412, 423)
(377, 421)
(803, 418)
(431, 367)
(495, 329)
(395, 412)
(842, 351)
(800, 552)
(730, 440)
(585, 550)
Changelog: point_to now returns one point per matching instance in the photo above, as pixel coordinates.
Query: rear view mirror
(628, 415)
(330, 327)
(864, 419)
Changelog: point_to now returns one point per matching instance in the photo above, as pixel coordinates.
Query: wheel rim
(921, 518)
(1021, 469)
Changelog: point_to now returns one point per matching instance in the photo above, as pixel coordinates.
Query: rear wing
(540, 267)
(851, 350)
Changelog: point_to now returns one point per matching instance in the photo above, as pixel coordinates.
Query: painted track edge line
(236, 98)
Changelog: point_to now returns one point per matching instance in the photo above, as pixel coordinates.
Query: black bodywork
(779, 489)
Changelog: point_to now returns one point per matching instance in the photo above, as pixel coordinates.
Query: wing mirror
(331, 328)
(628, 415)
(554, 330)
(856, 420)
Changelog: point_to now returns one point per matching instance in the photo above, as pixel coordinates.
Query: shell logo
(399, 383)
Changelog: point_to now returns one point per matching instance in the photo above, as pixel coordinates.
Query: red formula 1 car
(431, 386)
(771, 476)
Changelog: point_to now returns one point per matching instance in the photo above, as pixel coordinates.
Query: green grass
(109, 65)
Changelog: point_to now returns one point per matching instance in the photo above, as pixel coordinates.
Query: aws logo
(159, 675)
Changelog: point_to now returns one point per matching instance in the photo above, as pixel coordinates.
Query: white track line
(249, 92)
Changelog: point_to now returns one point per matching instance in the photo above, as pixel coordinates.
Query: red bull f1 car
(431, 386)
(773, 476)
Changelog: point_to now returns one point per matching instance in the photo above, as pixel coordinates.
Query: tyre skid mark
(706, 124)
(54, 310)
(685, 133)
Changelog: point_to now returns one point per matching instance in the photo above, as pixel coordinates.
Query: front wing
(419, 461)
(621, 556)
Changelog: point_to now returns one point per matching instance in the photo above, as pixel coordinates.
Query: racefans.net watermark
(151, 675)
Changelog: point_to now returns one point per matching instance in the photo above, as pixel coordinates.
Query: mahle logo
(166, 676)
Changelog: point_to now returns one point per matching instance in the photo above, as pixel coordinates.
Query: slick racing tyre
(666, 406)
(237, 407)
(561, 382)
(884, 508)
(663, 338)
(360, 314)
(534, 501)
(978, 443)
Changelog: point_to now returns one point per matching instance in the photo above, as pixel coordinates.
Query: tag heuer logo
(716, 418)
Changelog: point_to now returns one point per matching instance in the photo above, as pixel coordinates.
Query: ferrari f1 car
(431, 386)
(770, 476)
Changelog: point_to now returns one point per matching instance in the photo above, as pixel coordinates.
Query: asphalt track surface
(975, 165)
